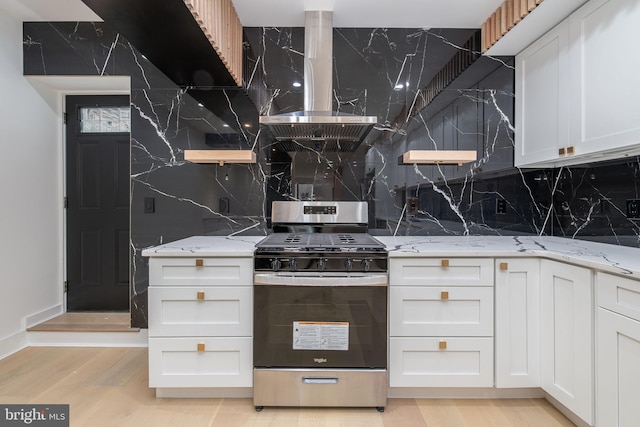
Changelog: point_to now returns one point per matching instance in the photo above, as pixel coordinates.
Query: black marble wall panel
(474, 112)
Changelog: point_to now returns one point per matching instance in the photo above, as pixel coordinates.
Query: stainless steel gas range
(320, 309)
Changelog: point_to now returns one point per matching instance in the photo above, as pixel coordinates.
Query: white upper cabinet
(576, 89)
(605, 113)
(542, 98)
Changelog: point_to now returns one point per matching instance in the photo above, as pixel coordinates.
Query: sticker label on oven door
(321, 336)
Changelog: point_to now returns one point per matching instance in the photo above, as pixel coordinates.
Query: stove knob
(322, 264)
(293, 264)
(348, 263)
(275, 264)
(366, 263)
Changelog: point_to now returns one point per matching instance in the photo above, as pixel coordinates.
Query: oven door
(329, 321)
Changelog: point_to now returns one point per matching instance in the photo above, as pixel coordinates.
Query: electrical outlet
(633, 209)
(501, 206)
(149, 204)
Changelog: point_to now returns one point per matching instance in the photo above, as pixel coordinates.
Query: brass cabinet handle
(570, 150)
(562, 151)
(200, 295)
(444, 263)
(199, 262)
(444, 295)
(200, 346)
(504, 266)
(442, 345)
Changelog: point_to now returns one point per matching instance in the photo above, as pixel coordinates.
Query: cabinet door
(441, 311)
(517, 334)
(604, 76)
(420, 271)
(618, 355)
(542, 98)
(441, 362)
(203, 311)
(567, 336)
(200, 362)
(200, 271)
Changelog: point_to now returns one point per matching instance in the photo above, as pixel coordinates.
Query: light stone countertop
(207, 246)
(622, 260)
(601, 256)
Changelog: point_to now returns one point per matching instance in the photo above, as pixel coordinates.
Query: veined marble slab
(214, 246)
(612, 258)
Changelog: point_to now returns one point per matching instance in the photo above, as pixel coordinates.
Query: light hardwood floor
(87, 322)
(109, 387)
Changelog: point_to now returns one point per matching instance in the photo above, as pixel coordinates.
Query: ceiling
(369, 13)
(290, 13)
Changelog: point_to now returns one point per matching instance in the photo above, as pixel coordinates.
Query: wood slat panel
(504, 19)
(220, 24)
(510, 22)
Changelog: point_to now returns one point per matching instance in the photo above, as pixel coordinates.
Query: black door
(97, 181)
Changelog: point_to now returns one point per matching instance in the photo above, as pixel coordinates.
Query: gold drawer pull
(444, 263)
(442, 345)
(444, 295)
(570, 150)
(200, 296)
(504, 266)
(562, 151)
(200, 346)
(199, 262)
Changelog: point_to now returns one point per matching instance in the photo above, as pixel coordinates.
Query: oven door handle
(283, 279)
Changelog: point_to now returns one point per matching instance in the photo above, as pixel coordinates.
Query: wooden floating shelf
(432, 157)
(220, 156)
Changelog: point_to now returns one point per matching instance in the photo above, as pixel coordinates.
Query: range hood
(318, 122)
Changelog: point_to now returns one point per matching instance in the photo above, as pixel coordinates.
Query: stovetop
(297, 242)
(320, 252)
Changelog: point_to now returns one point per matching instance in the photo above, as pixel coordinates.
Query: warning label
(321, 336)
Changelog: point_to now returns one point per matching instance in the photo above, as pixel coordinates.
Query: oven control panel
(321, 210)
(361, 263)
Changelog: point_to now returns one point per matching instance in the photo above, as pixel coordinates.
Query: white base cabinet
(567, 336)
(441, 322)
(618, 351)
(200, 323)
(517, 329)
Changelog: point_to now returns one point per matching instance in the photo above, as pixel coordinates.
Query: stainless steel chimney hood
(318, 122)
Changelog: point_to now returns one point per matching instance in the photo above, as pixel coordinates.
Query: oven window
(278, 309)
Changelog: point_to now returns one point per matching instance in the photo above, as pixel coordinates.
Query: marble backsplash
(475, 111)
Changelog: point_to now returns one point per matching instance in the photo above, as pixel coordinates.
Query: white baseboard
(12, 344)
(579, 422)
(230, 392)
(464, 393)
(43, 316)
(88, 339)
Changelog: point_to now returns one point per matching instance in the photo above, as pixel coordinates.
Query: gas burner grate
(293, 239)
(346, 239)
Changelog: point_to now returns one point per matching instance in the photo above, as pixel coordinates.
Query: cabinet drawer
(421, 362)
(200, 271)
(441, 311)
(204, 311)
(200, 362)
(618, 294)
(441, 271)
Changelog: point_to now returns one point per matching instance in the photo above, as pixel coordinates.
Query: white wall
(31, 190)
